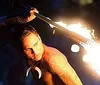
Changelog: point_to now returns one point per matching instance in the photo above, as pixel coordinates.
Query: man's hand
(31, 14)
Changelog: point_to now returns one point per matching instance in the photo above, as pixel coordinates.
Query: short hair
(27, 30)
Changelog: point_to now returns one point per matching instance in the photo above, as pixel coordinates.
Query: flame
(78, 28)
(92, 56)
(91, 46)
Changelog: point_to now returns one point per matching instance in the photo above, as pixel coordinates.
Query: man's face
(33, 47)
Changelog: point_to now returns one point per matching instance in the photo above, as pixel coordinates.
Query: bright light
(60, 23)
(75, 48)
(91, 46)
(93, 56)
(78, 28)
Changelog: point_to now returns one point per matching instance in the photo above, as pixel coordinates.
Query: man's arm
(18, 20)
(63, 70)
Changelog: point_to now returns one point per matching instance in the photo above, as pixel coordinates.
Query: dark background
(12, 64)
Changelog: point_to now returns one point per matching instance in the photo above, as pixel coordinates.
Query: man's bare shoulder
(52, 53)
(59, 65)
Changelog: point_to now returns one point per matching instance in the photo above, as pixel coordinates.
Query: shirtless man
(53, 64)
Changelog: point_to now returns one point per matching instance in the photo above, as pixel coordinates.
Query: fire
(78, 29)
(91, 46)
(92, 56)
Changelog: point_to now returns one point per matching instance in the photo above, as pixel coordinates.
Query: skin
(53, 63)
(34, 43)
(27, 19)
(32, 16)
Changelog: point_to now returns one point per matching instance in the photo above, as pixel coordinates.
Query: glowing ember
(91, 46)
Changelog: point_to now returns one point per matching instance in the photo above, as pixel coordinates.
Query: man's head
(32, 44)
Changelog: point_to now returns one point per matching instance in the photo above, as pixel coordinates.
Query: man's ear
(39, 37)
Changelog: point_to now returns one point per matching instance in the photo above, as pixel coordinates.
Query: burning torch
(87, 41)
(82, 36)
(72, 35)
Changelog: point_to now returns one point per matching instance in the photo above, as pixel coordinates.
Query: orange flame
(91, 46)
